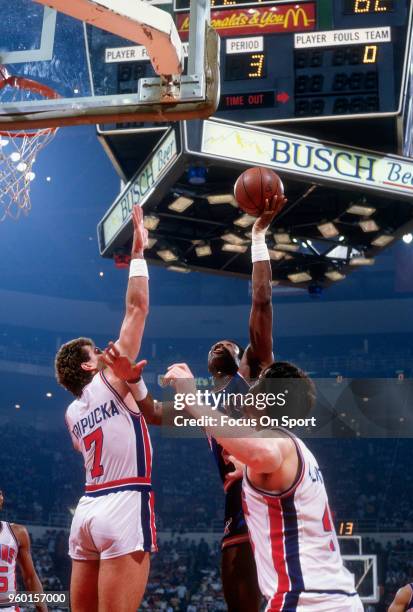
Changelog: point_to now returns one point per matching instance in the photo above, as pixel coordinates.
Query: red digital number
(96, 438)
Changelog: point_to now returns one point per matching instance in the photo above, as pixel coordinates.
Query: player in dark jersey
(232, 368)
(403, 601)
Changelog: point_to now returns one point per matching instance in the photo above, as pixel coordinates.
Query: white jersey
(113, 440)
(295, 544)
(9, 549)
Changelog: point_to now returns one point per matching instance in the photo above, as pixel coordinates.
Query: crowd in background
(185, 575)
(362, 476)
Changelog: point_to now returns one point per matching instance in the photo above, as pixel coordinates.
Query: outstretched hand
(181, 378)
(140, 234)
(272, 208)
(121, 365)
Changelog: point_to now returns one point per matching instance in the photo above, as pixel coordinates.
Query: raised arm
(137, 295)
(402, 599)
(259, 353)
(24, 559)
(264, 455)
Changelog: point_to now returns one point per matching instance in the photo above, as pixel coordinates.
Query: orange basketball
(254, 187)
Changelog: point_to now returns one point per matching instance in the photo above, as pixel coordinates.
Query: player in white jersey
(299, 565)
(113, 528)
(15, 550)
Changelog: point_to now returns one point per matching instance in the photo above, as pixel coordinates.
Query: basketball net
(18, 149)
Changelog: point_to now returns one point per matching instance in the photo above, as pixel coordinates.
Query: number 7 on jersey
(96, 438)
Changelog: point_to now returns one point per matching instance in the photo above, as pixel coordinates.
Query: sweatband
(138, 267)
(259, 249)
(141, 390)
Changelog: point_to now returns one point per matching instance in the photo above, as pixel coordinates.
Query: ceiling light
(234, 248)
(335, 275)
(382, 241)
(328, 230)
(407, 238)
(181, 204)
(222, 198)
(361, 261)
(245, 221)
(341, 238)
(167, 255)
(48, 394)
(276, 255)
(369, 225)
(182, 269)
(233, 238)
(339, 252)
(17, 406)
(300, 277)
(362, 211)
(288, 247)
(282, 238)
(203, 250)
(101, 274)
(151, 222)
(152, 242)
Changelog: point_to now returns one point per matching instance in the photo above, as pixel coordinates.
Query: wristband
(138, 267)
(140, 390)
(259, 249)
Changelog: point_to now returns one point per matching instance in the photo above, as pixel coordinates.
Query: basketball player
(403, 601)
(113, 528)
(231, 368)
(15, 549)
(295, 546)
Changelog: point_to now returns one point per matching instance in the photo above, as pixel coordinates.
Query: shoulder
(21, 534)
(250, 367)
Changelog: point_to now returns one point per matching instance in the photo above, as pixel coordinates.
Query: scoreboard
(284, 60)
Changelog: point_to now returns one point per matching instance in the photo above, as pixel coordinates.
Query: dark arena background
(321, 92)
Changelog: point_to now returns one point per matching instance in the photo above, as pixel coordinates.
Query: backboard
(68, 48)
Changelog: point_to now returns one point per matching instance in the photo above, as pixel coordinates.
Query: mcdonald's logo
(299, 19)
(260, 20)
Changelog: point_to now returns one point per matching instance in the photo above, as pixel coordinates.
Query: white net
(17, 159)
(18, 150)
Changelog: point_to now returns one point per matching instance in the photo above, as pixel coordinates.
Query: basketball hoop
(18, 149)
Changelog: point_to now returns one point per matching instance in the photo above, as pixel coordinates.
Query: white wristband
(138, 267)
(140, 390)
(259, 249)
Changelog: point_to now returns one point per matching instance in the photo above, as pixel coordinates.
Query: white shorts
(312, 602)
(113, 525)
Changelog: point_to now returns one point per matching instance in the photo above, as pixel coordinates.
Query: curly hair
(68, 362)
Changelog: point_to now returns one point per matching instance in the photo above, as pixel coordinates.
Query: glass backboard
(80, 62)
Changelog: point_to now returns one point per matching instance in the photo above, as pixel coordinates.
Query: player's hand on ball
(121, 365)
(140, 234)
(271, 210)
(181, 378)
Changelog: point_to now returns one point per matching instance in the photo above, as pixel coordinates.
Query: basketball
(254, 186)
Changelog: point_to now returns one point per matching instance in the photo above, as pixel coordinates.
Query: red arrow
(283, 97)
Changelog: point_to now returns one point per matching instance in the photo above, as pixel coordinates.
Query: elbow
(138, 309)
(264, 461)
(262, 297)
